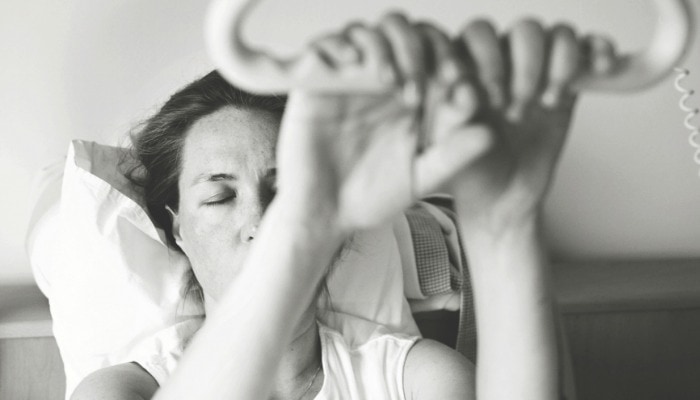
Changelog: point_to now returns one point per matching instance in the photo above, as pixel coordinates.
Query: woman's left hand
(527, 97)
(352, 157)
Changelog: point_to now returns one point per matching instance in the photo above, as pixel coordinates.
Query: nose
(252, 214)
(249, 231)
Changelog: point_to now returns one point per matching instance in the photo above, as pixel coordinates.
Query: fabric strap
(437, 274)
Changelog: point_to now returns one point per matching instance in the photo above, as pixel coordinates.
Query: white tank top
(366, 371)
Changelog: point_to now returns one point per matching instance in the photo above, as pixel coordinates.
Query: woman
(347, 162)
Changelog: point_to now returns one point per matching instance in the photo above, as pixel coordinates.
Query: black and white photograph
(350, 200)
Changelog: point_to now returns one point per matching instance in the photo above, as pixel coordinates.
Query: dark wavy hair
(157, 143)
(156, 155)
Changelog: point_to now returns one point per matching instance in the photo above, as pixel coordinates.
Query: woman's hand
(352, 157)
(524, 88)
(525, 80)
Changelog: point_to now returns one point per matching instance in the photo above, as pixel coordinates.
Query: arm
(435, 371)
(343, 164)
(256, 318)
(514, 310)
(332, 148)
(523, 93)
(517, 354)
(529, 105)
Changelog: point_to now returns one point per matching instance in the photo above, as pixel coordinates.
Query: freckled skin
(216, 237)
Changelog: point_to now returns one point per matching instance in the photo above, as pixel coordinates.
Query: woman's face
(226, 183)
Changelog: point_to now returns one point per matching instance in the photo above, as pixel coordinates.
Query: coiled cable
(690, 113)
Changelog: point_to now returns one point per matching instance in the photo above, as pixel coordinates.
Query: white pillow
(114, 287)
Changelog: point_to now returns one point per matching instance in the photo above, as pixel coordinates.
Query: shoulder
(127, 381)
(435, 371)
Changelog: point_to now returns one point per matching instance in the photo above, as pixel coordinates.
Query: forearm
(517, 351)
(236, 353)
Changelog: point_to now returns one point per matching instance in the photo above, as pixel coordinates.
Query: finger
(442, 162)
(444, 74)
(564, 65)
(337, 50)
(484, 49)
(456, 111)
(528, 51)
(374, 50)
(409, 55)
(443, 62)
(601, 54)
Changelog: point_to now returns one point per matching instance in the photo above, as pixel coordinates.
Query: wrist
(310, 219)
(508, 259)
(496, 225)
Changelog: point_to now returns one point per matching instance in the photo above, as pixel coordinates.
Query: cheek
(214, 250)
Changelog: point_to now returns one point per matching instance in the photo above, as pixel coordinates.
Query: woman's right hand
(352, 157)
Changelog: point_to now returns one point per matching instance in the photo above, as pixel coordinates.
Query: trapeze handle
(263, 73)
(673, 35)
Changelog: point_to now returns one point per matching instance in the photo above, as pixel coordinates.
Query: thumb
(456, 106)
(456, 142)
(447, 157)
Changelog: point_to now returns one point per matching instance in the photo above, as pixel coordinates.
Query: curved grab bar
(259, 72)
(673, 34)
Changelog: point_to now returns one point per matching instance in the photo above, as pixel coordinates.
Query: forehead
(230, 139)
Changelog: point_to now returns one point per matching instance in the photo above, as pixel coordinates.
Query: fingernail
(462, 94)
(450, 72)
(551, 97)
(603, 65)
(515, 112)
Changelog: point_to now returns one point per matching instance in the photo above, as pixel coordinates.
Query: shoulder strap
(434, 269)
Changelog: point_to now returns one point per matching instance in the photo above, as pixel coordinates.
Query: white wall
(92, 69)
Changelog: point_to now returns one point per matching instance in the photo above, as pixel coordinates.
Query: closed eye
(220, 199)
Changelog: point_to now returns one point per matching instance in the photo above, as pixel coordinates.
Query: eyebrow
(206, 177)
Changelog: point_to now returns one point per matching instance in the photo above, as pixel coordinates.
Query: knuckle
(432, 32)
(481, 24)
(563, 30)
(529, 24)
(600, 42)
(479, 140)
(331, 40)
(394, 18)
(477, 29)
(355, 27)
(527, 84)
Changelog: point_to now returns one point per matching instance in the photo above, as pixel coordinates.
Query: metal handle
(259, 72)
